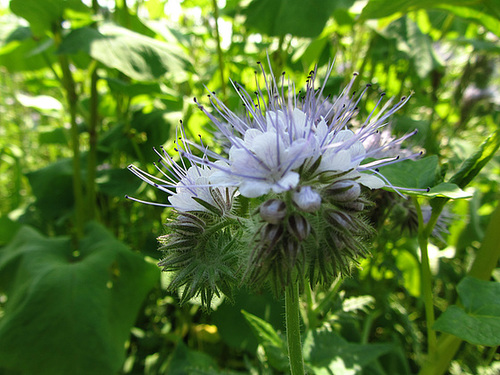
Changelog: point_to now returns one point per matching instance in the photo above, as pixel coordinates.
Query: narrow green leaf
(273, 344)
(471, 167)
(478, 321)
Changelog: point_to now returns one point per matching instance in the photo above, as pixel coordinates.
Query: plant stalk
(72, 100)
(92, 155)
(292, 315)
(425, 269)
(220, 55)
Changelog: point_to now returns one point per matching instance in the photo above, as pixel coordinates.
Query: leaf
(478, 321)
(485, 12)
(325, 349)
(419, 174)
(44, 14)
(186, 361)
(272, 343)
(471, 167)
(139, 57)
(281, 17)
(446, 189)
(8, 229)
(53, 188)
(117, 182)
(17, 53)
(417, 45)
(68, 314)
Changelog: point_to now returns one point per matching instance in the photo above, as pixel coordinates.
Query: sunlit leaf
(272, 343)
(296, 17)
(44, 14)
(135, 55)
(328, 353)
(417, 45)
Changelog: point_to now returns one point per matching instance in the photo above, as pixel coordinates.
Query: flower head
(286, 201)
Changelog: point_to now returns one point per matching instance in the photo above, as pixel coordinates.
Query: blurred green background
(88, 87)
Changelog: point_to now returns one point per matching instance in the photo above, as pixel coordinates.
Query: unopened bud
(307, 199)
(344, 190)
(271, 234)
(273, 211)
(299, 226)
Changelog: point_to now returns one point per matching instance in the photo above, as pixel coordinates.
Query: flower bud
(344, 190)
(299, 226)
(307, 199)
(273, 211)
(271, 235)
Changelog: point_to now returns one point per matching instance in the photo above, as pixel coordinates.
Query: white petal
(307, 199)
(289, 181)
(253, 189)
(371, 181)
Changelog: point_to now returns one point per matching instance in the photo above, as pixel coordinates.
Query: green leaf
(18, 52)
(44, 14)
(417, 45)
(139, 57)
(471, 167)
(53, 188)
(485, 12)
(186, 361)
(273, 344)
(478, 321)
(446, 189)
(117, 182)
(281, 17)
(419, 174)
(69, 312)
(8, 229)
(327, 352)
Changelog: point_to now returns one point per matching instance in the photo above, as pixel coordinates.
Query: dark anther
(382, 94)
(403, 98)
(355, 74)
(368, 85)
(428, 189)
(377, 170)
(397, 157)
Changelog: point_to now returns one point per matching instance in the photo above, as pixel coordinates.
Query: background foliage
(89, 87)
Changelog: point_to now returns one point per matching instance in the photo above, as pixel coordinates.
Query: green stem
(92, 156)
(292, 315)
(219, 48)
(72, 100)
(425, 269)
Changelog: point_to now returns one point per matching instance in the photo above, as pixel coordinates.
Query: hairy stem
(292, 315)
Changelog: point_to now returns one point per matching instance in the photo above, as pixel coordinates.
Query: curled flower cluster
(286, 202)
